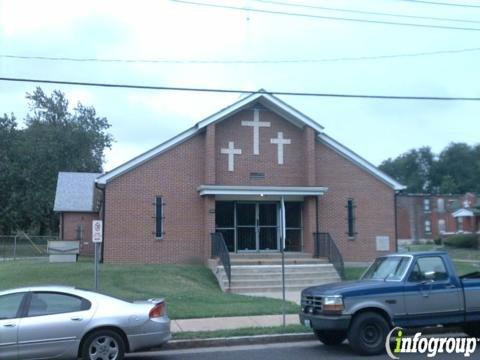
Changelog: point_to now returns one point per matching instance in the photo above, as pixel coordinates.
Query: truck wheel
(472, 329)
(367, 333)
(331, 337)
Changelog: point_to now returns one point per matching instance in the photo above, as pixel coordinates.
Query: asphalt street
(288, 351)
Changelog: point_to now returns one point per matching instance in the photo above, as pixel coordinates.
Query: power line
(236, 62)
(305, 6)
(239, 91)
(275, 12)
(442, 3)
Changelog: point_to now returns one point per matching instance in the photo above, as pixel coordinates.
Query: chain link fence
(24, 247)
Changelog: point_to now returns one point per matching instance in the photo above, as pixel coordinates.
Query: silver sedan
(53, 322)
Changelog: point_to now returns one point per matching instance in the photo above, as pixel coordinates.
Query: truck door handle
(76, 319)
(9, 325)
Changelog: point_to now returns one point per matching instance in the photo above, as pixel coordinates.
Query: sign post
(97, 238)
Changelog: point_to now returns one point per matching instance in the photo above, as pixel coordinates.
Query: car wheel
(367, 333)
(331, 337)
(472, 329)
(103, 345)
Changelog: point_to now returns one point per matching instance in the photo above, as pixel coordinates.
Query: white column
(280, 142)
(231, 152)
(256, 124)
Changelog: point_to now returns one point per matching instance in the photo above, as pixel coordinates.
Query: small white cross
(280, 141)
(256, 124)
(231, 152)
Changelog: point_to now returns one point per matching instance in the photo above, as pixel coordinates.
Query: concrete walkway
(230, 323)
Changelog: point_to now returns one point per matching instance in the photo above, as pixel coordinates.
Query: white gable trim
(271, 102)
(359, 161)
(137, 161)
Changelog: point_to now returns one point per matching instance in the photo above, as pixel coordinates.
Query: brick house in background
(423, 217)
(230, 173)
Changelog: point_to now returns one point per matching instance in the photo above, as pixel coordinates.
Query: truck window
(387, 268)
(429, 265)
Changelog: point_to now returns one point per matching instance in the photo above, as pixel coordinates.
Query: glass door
(246, 227)
(267, 226)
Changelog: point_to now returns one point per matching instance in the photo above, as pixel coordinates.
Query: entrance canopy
(261, 190)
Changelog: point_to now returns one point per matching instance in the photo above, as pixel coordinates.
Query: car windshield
(387, 268)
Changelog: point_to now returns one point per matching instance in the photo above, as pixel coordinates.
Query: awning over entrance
(261, 190)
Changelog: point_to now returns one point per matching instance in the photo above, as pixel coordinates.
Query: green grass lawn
(252, 331)
(191, 291)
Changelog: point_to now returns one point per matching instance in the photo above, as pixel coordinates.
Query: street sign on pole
(97, 238)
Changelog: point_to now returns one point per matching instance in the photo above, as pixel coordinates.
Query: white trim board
(261, 190)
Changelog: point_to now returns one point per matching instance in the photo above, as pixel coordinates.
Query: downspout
(62, 226)
(395, 195)
(316, 215)
(103, 220)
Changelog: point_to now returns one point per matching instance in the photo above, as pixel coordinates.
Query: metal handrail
(220, 250)
(325, 247)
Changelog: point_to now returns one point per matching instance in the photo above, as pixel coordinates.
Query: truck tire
(331, 337)
(368, 332)
(472, 329)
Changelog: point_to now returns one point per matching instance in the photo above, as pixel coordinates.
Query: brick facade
(424, 217)
(78, 226)
(189, 218)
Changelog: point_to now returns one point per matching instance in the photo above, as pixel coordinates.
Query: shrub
(438, 241)
(467, 241)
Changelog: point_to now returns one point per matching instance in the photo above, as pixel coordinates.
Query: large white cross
(231, 152)
(280, 141)
(256, 124)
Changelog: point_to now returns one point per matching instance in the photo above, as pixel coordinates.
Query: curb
(237, 340)
(274, 338)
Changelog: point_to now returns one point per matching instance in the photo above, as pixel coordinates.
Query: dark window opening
(351, 218)
(159, 217)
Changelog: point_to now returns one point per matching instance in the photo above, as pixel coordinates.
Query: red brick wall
(291, 173)
(129, 209)
(189, 219)
(373, 199)
(70, 222)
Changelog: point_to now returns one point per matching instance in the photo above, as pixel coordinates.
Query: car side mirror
(429, 275)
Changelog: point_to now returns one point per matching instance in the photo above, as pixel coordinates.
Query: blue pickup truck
(409, 290)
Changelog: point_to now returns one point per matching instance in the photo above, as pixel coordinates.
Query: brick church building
(233, 173)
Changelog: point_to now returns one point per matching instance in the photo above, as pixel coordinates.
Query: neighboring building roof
(75, 192)
(270, 102)
(466, 213)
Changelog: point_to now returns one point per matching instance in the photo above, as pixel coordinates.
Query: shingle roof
(76, 192)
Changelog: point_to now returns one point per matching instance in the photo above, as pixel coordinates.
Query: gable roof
(272, 103)
(75, 192)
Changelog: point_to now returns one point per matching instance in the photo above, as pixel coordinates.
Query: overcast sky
(168, 30)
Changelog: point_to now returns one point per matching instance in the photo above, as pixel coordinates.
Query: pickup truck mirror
(429, 275)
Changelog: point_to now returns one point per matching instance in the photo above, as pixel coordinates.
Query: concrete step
(278, 277)
(269, 255)
(276, 261)
(277, 269)
(262, 283)
(272, 288)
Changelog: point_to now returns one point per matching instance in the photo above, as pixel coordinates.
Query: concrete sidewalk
(230, 323)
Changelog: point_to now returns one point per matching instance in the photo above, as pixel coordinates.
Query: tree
(455, 171)
(413, 169)
(55, 139)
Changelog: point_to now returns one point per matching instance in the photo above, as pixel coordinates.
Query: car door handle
(450, 286)
(9, 325)
(76, 319)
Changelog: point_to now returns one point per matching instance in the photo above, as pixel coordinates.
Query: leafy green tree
(413, 169)
(54, 139)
